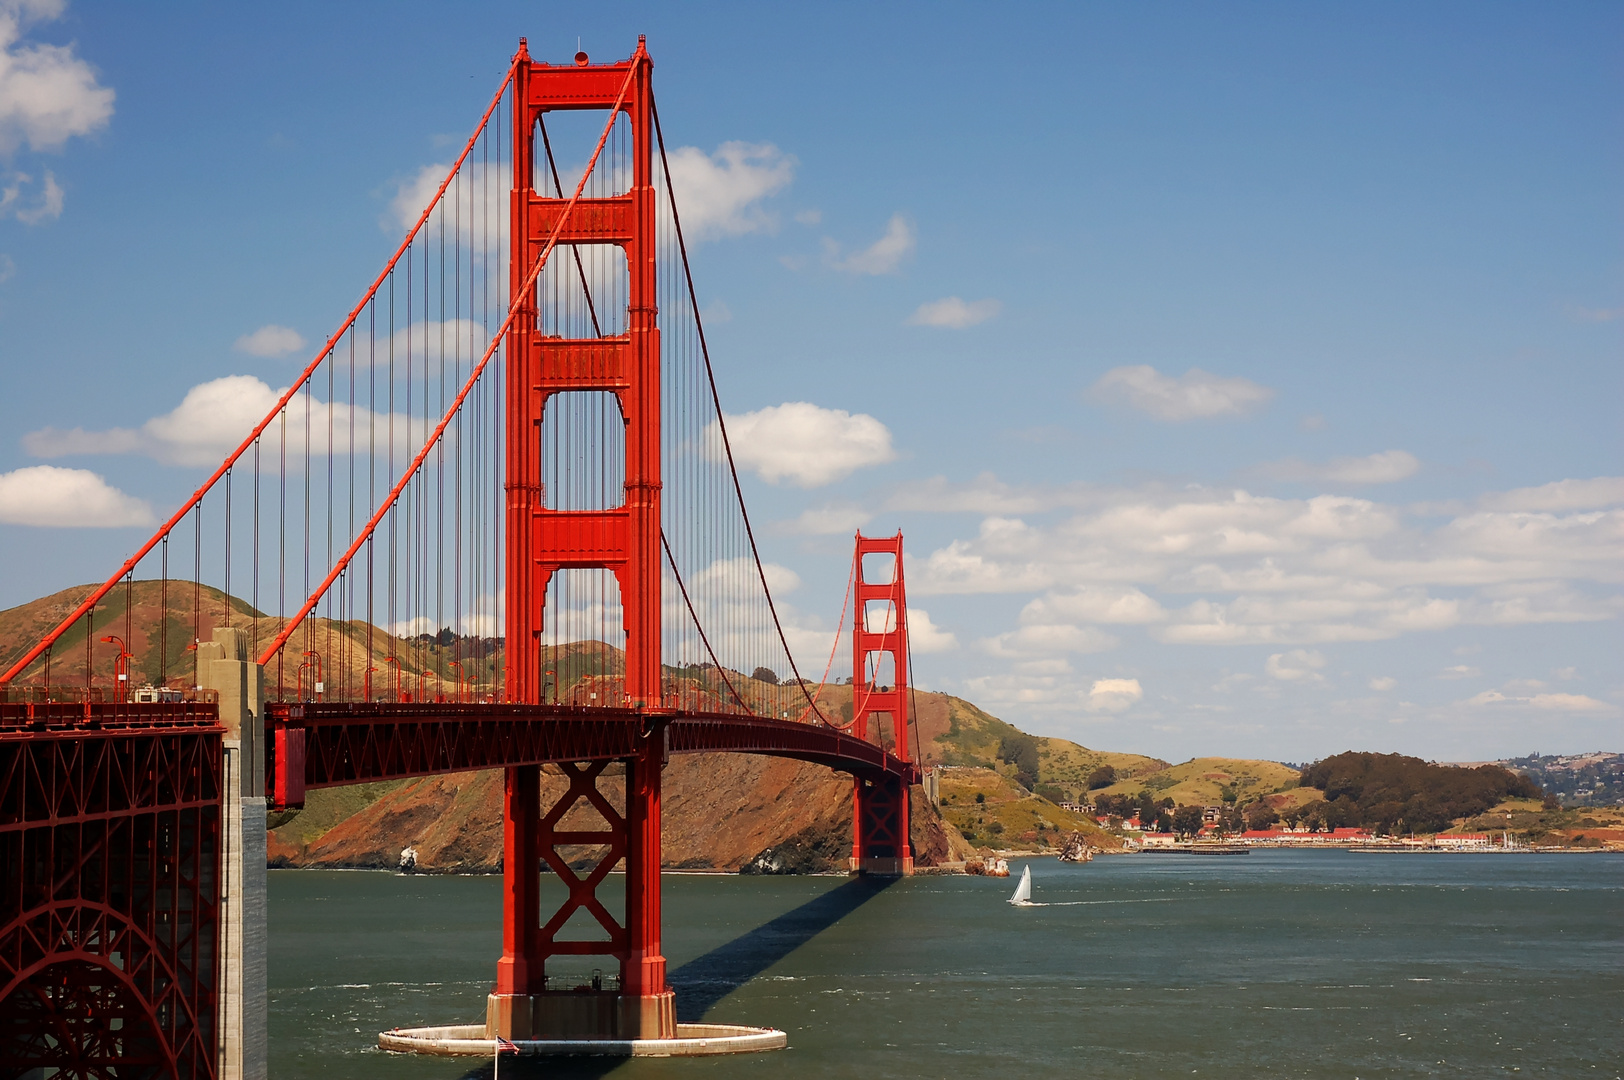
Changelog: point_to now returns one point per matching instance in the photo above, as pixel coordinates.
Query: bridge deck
(350, 743)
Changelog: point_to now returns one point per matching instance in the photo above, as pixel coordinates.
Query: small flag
(503, 1044)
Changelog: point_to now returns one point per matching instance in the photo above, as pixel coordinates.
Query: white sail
(1023, 891)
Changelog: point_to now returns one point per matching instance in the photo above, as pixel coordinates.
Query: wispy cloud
(1386, 467)
(953, 313)
(1298, 665)
(1194, 395)
(31, 209)
(829, 519)
(884, 256)
(270, 340)
(1542, 702)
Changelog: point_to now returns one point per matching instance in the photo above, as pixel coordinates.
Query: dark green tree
(1020, 750)
(1260, 815)
(1187, 821)
(1377, 790)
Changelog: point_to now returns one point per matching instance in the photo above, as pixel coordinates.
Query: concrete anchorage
(224, 666)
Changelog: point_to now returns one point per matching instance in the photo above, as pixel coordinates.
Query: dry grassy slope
(953, 731)
(159, 622)
(147, 636)
(1201, 782)
(1029, 822)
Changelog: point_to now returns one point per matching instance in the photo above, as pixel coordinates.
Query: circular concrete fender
(693, 1040)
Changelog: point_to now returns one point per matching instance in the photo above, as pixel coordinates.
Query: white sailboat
(1023, 891)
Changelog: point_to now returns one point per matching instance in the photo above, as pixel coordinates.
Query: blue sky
(1245, 378)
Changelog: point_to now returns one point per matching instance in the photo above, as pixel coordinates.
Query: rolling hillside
(1205, 782)
(721, 811)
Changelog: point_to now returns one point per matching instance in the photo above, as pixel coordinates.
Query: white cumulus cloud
(1221, 566)
(1194, 395)
(924, 636)
(213, 419)
(48, 495)
(48, 95)
(476, 205)
(806, 445)
(952, 313)
(270, 340)
(1114, 695)
(1096, 604)
(720, 194)
(884, 256)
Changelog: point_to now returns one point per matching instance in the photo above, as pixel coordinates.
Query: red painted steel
(880, 820)
(109, 903)
(624, 540)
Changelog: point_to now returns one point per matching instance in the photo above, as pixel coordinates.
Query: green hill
(1207, 781)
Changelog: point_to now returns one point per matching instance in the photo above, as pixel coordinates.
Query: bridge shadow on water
(705, 980)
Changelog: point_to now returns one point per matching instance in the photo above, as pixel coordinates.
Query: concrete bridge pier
(224, 666)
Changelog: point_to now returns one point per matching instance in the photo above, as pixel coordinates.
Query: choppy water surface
(1274, 964)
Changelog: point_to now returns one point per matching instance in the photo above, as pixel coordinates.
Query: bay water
(1274, 964)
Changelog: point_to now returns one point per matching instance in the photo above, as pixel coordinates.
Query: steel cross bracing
(110, 892)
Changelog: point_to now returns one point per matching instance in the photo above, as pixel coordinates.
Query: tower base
(580, 1014)
(883, 866)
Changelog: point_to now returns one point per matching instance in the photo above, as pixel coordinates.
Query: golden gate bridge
(494, 523)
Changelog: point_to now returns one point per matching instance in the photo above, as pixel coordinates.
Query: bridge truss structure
(495, 523)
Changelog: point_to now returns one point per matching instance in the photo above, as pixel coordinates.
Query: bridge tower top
(545, 360)
(880, 641)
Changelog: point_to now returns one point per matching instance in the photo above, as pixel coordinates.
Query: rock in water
(408, 860)
(1076, 849)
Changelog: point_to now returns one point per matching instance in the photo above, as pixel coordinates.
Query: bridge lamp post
(461, 677)
(317, 686)
(121, 667)
(392, 660)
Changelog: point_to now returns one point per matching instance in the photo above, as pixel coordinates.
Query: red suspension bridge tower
(879, 640)
(624, 539)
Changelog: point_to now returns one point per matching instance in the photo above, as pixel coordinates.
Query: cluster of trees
(1020, 750)
(1155, 815)
(1392, 793)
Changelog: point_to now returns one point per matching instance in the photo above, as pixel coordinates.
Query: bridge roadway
(349, 743)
